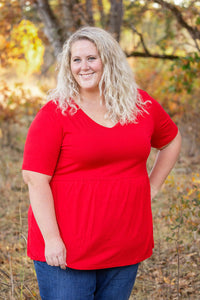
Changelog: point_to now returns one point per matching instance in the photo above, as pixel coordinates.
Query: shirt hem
(99, 266)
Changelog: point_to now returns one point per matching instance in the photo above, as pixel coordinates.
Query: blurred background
(161, 40)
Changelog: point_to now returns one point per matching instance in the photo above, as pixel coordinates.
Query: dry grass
(171, 273)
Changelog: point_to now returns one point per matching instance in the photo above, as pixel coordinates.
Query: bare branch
(141, 39)
(147, 55)
(197, 45)
(194, 32)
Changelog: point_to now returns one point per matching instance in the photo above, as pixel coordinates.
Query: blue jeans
(104, 284)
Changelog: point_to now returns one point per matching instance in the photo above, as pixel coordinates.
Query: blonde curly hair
(117, 83)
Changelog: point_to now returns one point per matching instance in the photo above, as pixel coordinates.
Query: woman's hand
(55, 252)
(154, 192)
(42, 203)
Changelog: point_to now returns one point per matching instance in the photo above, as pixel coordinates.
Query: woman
(90, 221)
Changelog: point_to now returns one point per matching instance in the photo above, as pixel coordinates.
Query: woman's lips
(86, 76)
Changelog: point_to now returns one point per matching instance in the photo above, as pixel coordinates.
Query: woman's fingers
(56, 261)
(55, 253)
(62, 261)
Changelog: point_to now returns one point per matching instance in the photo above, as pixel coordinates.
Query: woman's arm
(42, 204)
(164, 162)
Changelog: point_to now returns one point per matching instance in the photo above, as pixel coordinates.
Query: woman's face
(86, 65)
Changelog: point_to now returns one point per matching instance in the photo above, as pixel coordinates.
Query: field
(173, 272)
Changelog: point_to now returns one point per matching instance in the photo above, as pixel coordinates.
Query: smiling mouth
(86, 75)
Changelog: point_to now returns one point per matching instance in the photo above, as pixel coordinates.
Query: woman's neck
(91, 97)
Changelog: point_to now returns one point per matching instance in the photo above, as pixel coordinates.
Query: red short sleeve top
(99, 183)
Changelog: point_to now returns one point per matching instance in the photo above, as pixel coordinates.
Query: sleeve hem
(44, 172)
(167, 141)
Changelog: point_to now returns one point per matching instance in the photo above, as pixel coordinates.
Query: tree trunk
(116, 16)
(68, 20)
(88, 6)
(52, 27)
(102, 14)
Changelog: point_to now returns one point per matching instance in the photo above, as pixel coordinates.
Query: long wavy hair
(117, 84)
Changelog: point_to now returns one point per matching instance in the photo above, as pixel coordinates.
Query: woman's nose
(84, 64)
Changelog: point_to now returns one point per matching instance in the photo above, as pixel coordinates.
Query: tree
(20, 43)
(177, 21)
(175, 30)
(159, 28)
(76, 13)
(156, 29)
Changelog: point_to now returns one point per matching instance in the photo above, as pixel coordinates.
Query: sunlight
(178, 2)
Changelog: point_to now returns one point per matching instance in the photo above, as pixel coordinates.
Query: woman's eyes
(76, 60)
(91, 58)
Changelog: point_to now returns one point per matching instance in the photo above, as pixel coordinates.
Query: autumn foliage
(166, 61)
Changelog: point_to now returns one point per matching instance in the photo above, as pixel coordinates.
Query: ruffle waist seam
(54, 179)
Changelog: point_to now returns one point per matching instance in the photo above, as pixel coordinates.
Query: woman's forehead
(83, 46)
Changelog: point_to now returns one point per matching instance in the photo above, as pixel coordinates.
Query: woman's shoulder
(152, 106)
(145, 96)
(49, 112)
(149, 101)
(50, 108)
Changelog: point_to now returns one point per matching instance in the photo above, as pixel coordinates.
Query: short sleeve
(43, 142)
(164, 129)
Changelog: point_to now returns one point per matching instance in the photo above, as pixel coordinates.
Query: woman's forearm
(164, 163)
(42, 204)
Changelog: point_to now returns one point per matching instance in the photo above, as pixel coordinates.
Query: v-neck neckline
(92, 120)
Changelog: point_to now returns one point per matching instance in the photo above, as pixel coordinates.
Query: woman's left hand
(154, 192)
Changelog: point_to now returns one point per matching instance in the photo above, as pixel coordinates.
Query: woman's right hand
(42, 204)
(55, 252)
